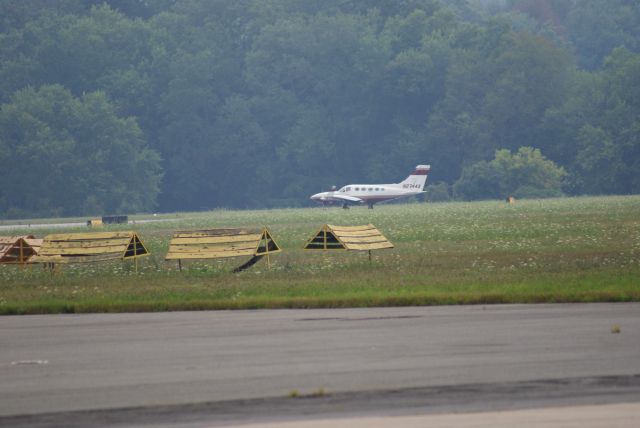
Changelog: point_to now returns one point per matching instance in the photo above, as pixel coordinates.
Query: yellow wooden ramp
(18, 249)
(90, 247)
(221, 243)
(353, 238)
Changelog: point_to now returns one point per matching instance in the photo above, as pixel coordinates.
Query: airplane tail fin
(417, 179)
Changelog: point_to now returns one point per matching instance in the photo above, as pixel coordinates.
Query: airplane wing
(345, 198)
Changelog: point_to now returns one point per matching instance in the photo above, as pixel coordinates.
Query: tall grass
(557, 250)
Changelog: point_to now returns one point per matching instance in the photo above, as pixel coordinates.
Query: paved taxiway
(241, 366)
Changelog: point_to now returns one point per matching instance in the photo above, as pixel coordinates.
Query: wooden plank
(215, 232)
(363, 239)
(89, 259)
(203, 250)
(120, 242)
(90, 253)
(76, 259)
(13, 239)
(364, 247)
(352, 244)
(351, 228)
(369, 232)
(209, 248)
(217, 239)
(211, 255)
(34, 243)
(222, 255)
(48, 251)
(87, 235)
(4, 249)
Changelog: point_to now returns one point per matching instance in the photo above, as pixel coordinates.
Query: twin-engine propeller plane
(372, 193)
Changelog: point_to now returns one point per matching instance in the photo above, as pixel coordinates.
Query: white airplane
(373, 193)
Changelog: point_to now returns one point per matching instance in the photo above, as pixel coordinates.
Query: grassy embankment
(560, 250)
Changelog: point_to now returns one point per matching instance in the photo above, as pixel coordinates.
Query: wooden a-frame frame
(222, 243)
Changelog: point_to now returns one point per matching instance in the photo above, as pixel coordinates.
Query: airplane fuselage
(373, 193)
(368, 193)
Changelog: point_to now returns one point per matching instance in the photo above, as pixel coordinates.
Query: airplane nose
(317, 197)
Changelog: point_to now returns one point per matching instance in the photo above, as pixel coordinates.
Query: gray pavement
(229, 362)
(623, 415)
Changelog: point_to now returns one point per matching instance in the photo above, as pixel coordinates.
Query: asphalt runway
(193, 369)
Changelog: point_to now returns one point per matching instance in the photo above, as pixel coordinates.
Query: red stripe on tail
(420, 172)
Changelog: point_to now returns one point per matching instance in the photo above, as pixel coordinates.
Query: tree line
(127, 106)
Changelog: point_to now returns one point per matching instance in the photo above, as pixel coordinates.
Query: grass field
(557, 250)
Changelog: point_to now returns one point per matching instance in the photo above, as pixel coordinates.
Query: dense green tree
(496, 96)
(594, 132)
(524, 174)
(69, 155)
(327, 66)
(596, 27)
(15, 14)
(102, 50)
(254, 103)
(200, 78)
(481, 180)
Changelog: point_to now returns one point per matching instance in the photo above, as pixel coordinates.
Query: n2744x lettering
(411, 186)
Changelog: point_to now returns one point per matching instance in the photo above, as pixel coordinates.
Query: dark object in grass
(252, 261)
(115, 219)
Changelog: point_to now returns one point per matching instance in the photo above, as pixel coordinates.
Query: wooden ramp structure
(222, 243)
(351, 238)
(18, 249)
(90, 247)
